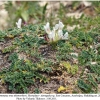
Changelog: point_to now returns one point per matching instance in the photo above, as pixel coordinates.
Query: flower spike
(47, 28)
(19, 23)
(57, 33)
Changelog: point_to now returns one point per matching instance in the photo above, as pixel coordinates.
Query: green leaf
(25, 15)
(11, 87)
(84, 87)
(36, 91)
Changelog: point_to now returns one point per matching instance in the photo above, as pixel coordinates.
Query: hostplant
(56, 34)
(63, 50)
(88, 85)
(2, 35)
(20, 75)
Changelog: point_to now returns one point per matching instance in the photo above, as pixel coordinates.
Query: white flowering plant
(57, 33)
(19, 23)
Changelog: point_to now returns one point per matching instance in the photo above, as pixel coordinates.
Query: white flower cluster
(19, 23)
(57, 33)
